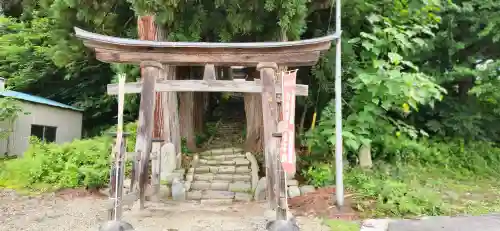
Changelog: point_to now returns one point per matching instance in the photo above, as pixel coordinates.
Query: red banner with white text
(287, 149)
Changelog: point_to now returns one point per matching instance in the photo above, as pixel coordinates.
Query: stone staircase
(223, 175)
(228, 134)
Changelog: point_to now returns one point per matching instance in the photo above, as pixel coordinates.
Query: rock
(260, 190)
(187, 186)
(168, 178)
(306, 189)
(282, 225)
(116, 226)
(292, 183)
(365, 157)
(293, 191)
(178, 190)
(240, 187)
(190, 176)
(254, 167)
(168, 160)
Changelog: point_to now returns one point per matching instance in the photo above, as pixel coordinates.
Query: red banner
(287, 149)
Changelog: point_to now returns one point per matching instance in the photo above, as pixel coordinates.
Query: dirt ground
(84, 212)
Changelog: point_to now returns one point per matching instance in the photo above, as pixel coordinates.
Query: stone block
(242, 177)
(204, 177)
(239, 196)
(227, 169)
(222, 186)
(242, 169)
(216, 201)
(241, 161)
(293, 191)
(226, 177)
(214, 169)
(187, 185)
(202, 169)
(306, 189)
(227, 162)
(212, 162)
(178, 191)
(194, 195)
(190, 177)
(211, 194)
(254, 167)
(260, 190)
(240, 187)
(292, 183)
(200, 185)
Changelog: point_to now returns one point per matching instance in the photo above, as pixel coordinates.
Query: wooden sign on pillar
(287, 150)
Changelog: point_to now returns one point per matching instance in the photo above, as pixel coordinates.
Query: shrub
(47, 166)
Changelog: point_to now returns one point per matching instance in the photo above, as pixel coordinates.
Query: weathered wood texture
(120, 50)
(145, 124)
(205, 86)
(270, 117)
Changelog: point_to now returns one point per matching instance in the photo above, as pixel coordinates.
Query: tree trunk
(254, 120)
(192, 106)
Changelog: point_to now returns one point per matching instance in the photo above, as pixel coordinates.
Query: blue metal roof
(36, 99)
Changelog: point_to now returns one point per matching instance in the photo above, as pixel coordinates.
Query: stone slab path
(488, 222)
(52, 213)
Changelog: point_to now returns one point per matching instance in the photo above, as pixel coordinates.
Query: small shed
(46, 119)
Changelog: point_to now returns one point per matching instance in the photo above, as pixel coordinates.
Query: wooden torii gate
(152, 55)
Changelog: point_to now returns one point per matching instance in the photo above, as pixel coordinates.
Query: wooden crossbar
(204, 86)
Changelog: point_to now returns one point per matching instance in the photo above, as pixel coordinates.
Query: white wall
(68, 123)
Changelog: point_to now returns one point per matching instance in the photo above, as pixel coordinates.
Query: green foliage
(319, 175)
(9, 111)
(52, 166)
(48, 166)
(413, 178)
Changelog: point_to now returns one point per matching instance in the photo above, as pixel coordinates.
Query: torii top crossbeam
(121, 50)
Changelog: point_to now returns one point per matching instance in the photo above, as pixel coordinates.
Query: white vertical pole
(339, 184)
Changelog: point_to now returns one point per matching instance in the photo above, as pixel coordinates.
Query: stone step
(222, 177)
(223, 157)
(221, 169)
(223, 151)
(218, 195)
(238, 186)
(234, 162)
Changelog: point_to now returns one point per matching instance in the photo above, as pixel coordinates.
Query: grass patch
(413, 191)
(340, 225)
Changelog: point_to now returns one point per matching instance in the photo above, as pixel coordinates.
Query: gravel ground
(53, 213)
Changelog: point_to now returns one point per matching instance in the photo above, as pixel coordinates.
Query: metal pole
(339, 184)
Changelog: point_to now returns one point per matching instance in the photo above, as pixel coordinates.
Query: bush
(417, 177)
(49, 166)
(52, 166)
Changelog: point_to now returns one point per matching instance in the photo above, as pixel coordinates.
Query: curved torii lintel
(122, 50)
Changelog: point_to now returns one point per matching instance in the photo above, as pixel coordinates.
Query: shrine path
(49, 212)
